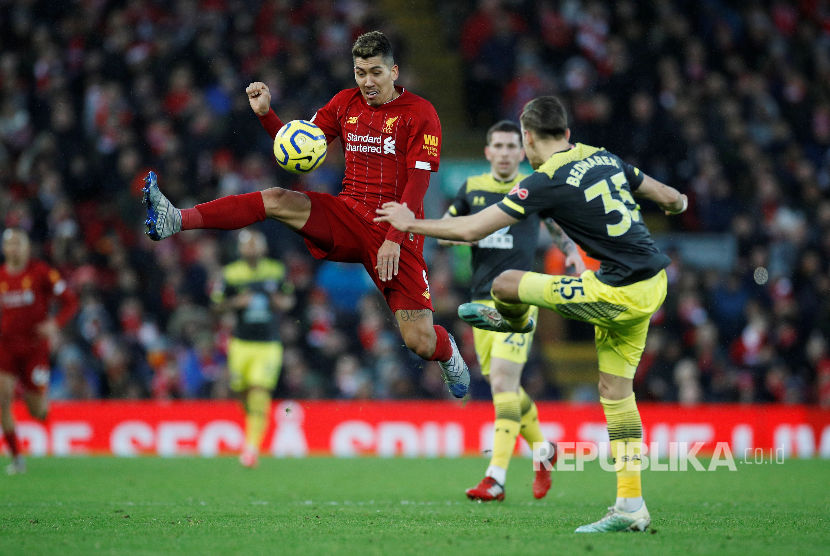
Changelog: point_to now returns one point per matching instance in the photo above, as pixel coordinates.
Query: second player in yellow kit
(255, 289)
(502, 356)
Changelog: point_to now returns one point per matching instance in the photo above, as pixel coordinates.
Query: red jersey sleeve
(271, 122)
(417, 182)
(423, 150)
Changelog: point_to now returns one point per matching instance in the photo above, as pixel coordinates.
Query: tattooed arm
(409, 315)
(573, 260)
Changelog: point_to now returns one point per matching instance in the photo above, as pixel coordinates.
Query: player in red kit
(27, 291)
(391, 140)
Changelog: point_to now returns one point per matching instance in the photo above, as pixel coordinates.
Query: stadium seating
(730, 106)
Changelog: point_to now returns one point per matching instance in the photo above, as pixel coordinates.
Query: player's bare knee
(612, 387)
(289, 207)
(504, 382)
(499, 384)
(506, 285)
(604, 390)
(274, 199)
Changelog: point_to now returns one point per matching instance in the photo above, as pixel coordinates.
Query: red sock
(226, 213)
(11, 442)
(443, 346)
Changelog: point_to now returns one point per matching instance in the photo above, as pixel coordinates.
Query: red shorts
(26, 359)
(335, 233)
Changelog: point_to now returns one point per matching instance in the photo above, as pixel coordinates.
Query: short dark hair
(504, 125)
(373, 43)
(545, 116)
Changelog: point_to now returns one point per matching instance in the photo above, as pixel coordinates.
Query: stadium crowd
(729, 102)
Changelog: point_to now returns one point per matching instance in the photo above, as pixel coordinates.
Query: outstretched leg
(226, 213)
(509, 314)
(506, 297)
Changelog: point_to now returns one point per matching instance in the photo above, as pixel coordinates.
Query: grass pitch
(396, 506)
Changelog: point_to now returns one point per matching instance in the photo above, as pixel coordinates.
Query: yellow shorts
(253, 364)
(502, 345)
(620, 315)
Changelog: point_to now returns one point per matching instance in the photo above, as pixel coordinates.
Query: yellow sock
(506, 429)
(625, 430)
(257, 404)
(516, 314)
(530, 429)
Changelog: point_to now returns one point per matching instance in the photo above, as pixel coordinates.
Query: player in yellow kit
(502, 355)
(590, 193)
(255, 289)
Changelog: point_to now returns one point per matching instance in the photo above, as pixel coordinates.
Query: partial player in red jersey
(28, 289)
(391, 140)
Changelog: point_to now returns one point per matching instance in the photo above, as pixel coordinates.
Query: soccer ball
(300, 146)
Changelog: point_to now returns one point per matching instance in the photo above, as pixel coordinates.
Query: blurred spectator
(73, 377)
(729, 102)
(352, 380)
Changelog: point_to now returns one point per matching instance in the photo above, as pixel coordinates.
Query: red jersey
(380, 145)
(26, 298)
